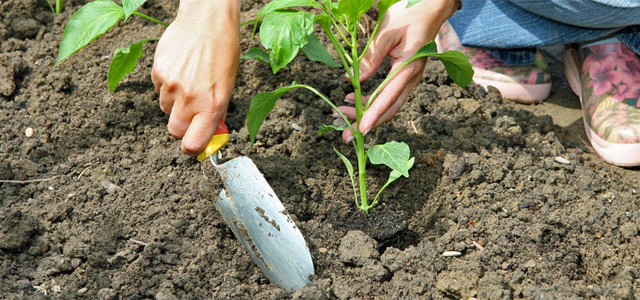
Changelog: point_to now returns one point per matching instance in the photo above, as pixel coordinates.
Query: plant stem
(150, 18)
(53, 10)
(366, 47)
(342, 53)
(359, 137)
(58, 6)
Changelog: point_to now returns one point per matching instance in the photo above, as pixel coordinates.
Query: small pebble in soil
(451, 253)
(457, 168)
(109, 186)
(296, 126)
(562, 160)
(28, 132)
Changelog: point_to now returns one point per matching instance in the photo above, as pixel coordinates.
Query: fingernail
(335, 115)
(349, 101)
(367, 131)
(350, 139)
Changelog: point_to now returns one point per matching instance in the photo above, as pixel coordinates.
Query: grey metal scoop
(258, 219)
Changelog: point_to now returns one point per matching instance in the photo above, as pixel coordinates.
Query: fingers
(192, 117)
(172, 102)
(351, 98)
(155, 79)
(166, 98)
(347, 136)
(388, 102)
(199, 132)
(178, 125)
(348, 111)
(373, 57)
(389, 95)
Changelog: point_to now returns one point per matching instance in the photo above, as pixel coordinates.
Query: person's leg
(510, 24)
(526, 77)
(605, 74)
(611, 14)
(580, 13)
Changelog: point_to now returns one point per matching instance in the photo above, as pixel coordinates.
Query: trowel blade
(258, 219)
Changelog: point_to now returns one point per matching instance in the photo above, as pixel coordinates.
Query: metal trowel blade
(258, 219)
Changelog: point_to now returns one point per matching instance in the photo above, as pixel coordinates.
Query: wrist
(207, 9)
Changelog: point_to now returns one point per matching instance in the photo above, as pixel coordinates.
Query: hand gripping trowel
(258, 219)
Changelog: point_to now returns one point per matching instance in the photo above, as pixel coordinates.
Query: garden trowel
(258, 219)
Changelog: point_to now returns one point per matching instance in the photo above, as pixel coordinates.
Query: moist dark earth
(98, 202)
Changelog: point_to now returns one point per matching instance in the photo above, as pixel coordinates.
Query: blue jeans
(512, 29)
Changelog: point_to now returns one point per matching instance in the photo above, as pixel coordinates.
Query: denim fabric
(631, 37)
(512, 29)
(515, 57)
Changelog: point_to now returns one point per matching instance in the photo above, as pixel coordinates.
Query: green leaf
(284, 33)
(392, 154)
(395, 174)
(412, 2)
(346, 162)
(331, 6)
(324, 128)
(392, 177)
(315, 51)
(130, 6)
(88, 23)
(123, 62)
(457, 65)
(353, 9)
(280, 4)
(349, 166)
(260, 106)
(257, 54)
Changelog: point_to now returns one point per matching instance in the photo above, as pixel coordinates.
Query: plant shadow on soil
(124, 215)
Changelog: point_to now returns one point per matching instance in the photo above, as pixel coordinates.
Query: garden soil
(98, 202)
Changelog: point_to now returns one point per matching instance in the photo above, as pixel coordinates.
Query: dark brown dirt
(119, 212)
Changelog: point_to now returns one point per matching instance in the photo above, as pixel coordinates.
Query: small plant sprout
(285, 31)
(93, 20)
(56, 7)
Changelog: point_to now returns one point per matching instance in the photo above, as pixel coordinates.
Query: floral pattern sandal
(524, 84)
(606, 76)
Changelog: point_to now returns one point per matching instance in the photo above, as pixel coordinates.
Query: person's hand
(195, 67)
(401, 33)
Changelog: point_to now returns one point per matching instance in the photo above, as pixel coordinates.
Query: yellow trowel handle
(219, 139)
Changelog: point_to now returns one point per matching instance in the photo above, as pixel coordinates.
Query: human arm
(402, 32)
(195, 67)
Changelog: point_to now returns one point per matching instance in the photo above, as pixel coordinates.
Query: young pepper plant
(285, 31)
(93, 20)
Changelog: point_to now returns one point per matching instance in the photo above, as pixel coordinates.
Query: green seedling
(95, 19)
(56, 7)
(285, 31)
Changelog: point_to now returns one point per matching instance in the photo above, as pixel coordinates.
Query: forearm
(439, 10)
